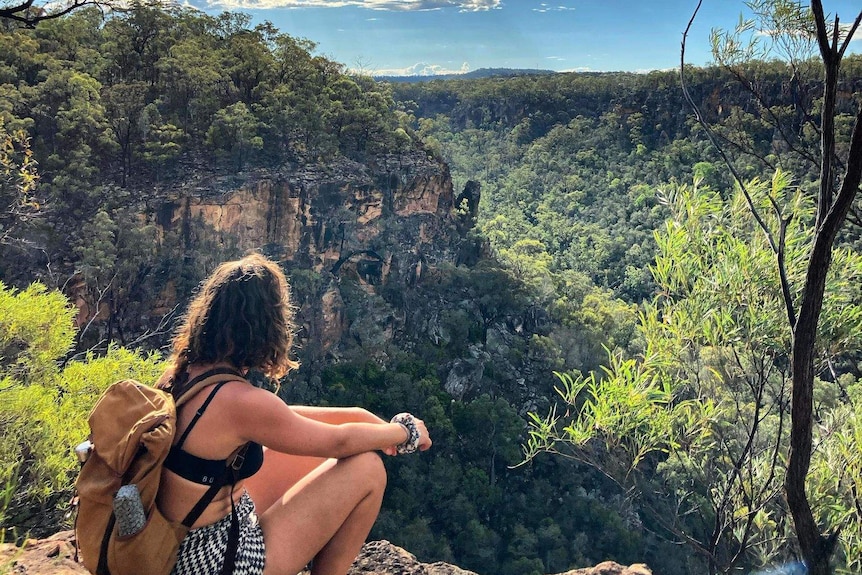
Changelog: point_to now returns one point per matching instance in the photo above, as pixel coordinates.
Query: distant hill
(475, 74)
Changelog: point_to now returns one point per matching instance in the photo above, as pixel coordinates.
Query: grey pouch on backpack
(129, 510)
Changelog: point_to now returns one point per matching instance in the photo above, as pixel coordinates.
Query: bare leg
(280, 472)
(325, 515)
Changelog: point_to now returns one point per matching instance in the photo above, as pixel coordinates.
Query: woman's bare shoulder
(242, 391)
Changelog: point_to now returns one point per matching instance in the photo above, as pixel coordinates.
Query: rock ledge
(56, 556)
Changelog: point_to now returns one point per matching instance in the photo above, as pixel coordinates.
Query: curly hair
(242, 315)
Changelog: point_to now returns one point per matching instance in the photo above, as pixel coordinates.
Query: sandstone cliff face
(364, 244)
(315, 215)
(375, 224)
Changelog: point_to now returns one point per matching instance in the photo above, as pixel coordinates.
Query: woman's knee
(368, 467)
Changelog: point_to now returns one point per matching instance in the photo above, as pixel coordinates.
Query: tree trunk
(816, 547)
(812, 543)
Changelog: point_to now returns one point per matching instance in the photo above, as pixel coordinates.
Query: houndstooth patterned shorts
(202, 551)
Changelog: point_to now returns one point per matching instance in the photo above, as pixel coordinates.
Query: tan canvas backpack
(131, 431)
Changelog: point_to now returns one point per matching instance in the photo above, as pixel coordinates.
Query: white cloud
(389, 5)
(421, 69)
(543, 8)
(478, 5)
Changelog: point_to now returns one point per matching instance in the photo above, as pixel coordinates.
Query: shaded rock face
(373, 226)
(55, 556)
(466, 374)
(317, 215)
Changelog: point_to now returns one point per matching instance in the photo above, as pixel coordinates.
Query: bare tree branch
(97, 305)
(774, 121)
(29, 15)
(161, 329)
(850, 33)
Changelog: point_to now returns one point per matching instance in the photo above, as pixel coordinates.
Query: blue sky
(443, 36)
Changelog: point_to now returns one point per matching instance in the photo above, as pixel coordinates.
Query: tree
(18, 179)
(45, 404)
(124, 106)
(234, 132)
(193, 81)
(662, 416)
(696, 428)
(787, 23)
(134, 40)
(162, 143)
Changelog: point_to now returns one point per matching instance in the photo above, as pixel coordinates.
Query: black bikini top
(205, 471)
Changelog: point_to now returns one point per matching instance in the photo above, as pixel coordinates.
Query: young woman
(310, 480)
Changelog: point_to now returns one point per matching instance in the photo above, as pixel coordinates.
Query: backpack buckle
(238, 461)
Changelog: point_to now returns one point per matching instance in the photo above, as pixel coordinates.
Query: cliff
(376, 224)
(55, 556)
(315, 214)
(370, 248)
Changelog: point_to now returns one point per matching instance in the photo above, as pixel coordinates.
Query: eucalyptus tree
(792, 29)
(736, 414)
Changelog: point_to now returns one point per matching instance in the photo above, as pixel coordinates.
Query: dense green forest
(587, 180)
(569, 163)
(602, 201)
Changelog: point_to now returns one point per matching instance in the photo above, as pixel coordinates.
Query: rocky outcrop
(314, 215)
(384, 558)
(353, 229)
(364, 244)
(56, 556)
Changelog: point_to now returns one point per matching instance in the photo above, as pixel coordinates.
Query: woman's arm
(262, 417)
(336, 415)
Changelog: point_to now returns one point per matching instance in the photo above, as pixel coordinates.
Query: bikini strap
(215, 375)
(198, 414)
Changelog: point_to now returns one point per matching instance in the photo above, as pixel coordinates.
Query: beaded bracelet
(408, 422)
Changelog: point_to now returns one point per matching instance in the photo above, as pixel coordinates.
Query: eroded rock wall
(319, 214)
(374, 224)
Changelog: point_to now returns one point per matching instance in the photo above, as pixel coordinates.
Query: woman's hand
(424, 438)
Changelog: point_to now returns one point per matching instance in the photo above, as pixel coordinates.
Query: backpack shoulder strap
(216, 375)
(229, 477)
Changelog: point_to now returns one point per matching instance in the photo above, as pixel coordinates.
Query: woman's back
(212, 437)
